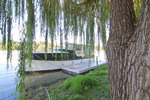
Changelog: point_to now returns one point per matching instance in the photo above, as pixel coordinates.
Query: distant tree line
(37, 46)
(15, 46)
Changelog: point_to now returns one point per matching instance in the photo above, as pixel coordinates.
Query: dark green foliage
(46, 43)
(103, 72)
(100, 71)
(77, 97)
(30, 30)
(137, 8)
(79, 84)
(20, 87)
(69, 97)
(9, 41)
(104, 67)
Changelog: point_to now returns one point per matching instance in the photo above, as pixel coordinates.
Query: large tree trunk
(128, 51)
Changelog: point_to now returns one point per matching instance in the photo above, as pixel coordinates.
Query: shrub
(102, 72)
(77, 97)
(104, 67)
(79, 84)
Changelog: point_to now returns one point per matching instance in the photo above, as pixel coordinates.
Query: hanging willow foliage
(6, 24)
(21, 71)
(30, 29)
(71, 16)
(137, 7)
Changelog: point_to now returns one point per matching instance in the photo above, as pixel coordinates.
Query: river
(8, 77)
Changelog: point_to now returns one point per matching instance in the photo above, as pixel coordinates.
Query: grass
(89, 56)
(39, 93)
(79, 84)
(92, 86)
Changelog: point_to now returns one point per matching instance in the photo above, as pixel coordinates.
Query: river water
(8, 77)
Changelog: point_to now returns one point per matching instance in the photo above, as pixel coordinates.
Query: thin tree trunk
(128, 51)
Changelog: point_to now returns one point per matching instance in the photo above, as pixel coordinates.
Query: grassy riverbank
(92, 86)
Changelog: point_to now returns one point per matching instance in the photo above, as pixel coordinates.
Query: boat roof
(50, 51)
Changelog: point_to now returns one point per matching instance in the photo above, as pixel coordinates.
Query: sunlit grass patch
(79, 84)
(92, 86)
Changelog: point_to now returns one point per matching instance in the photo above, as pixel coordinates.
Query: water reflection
(44, 79)
(8, 77)
(7, 83)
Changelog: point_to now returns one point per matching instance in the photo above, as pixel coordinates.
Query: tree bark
(128, 51)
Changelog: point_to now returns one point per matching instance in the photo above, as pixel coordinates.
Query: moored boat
(56, 60)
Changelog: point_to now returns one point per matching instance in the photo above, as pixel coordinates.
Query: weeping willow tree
(127, 59)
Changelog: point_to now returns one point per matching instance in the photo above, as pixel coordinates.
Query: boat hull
(41, 66)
